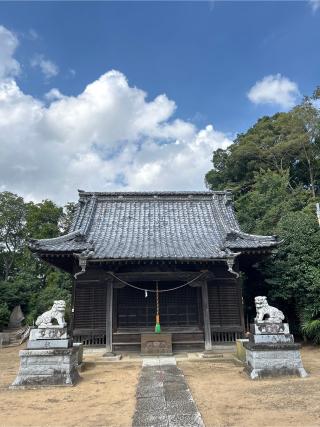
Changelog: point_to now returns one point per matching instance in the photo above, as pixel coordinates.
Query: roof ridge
(92, 205)
(85, 194)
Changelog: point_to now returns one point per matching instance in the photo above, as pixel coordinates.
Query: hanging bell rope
(157, 328)
(155, 290)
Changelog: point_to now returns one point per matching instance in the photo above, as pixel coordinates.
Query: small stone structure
(271, 350)
(16, 318)
(153, 344)
(50, 359)
(240, 350)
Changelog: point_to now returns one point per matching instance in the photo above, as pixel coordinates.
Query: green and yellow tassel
(157, 328)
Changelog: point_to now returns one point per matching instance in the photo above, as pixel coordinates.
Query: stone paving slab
(150, 420)
(163, 396)
(151, 404)
(149, 391)
(185, 420)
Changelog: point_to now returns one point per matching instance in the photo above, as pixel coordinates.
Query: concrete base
(211, 354)
(111, 357)
(265, 373)
(274, 362)
(41, 344)
(241, 351)
(46, 368)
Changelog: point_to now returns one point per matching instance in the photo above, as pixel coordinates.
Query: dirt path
(104, 397)
(226, 397)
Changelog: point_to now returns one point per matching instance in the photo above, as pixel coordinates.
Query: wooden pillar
(73, 299)
(241, 306)
(206, 317)
(109, 315)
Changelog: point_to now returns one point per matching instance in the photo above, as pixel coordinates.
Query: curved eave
(238, 240)
(68, 243)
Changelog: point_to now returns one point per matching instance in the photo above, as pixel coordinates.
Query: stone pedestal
(48, 338)
(271, 351)
(49, 360)
(47, 367)
(156, 344)
(49, 333)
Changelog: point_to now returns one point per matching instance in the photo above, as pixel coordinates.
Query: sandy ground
(226, 397)
(104, 397)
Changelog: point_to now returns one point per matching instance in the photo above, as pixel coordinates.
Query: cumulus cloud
(315, 5)
(53, 94)
(8, 44)
(108, 137)
(274, 89)
(48, 68)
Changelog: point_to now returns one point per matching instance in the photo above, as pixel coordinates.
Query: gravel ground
(106, 395)
(226, 397)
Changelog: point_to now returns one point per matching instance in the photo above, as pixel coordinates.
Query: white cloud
(8, 44)
(315, 5)
(53, 94)
(48, 68)
(109, 137)
(274, 89)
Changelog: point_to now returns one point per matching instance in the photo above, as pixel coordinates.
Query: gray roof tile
(155, 225)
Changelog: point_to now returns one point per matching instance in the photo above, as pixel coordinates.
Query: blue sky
(205, 57)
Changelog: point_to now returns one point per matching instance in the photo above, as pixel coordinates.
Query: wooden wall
(224, 298)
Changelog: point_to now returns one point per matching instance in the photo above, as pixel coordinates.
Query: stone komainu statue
(267, 313)
(57, 312)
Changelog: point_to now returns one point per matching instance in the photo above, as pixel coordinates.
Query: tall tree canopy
(23, 279)
(284, 142)
(274, 171)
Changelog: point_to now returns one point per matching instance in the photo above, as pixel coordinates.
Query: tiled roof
(155, 225)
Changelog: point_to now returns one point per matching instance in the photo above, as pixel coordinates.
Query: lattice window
(224, 304)
(90, 306)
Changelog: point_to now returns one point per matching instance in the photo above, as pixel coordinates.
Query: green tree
(67, 216)
(43, 219)
(12, 230)
(272, 143)
(274, 171)
(271, 197)
(286, 141)
(293, 273)
(26, 281)
(4, 315)
(309, 116)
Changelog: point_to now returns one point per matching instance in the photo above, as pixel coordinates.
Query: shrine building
(136, 255)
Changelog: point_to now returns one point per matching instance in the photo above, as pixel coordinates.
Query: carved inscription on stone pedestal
(156, 344)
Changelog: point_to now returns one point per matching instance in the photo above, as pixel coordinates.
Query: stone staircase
(12, 337)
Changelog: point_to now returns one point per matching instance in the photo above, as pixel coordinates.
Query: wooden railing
(96, 337)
